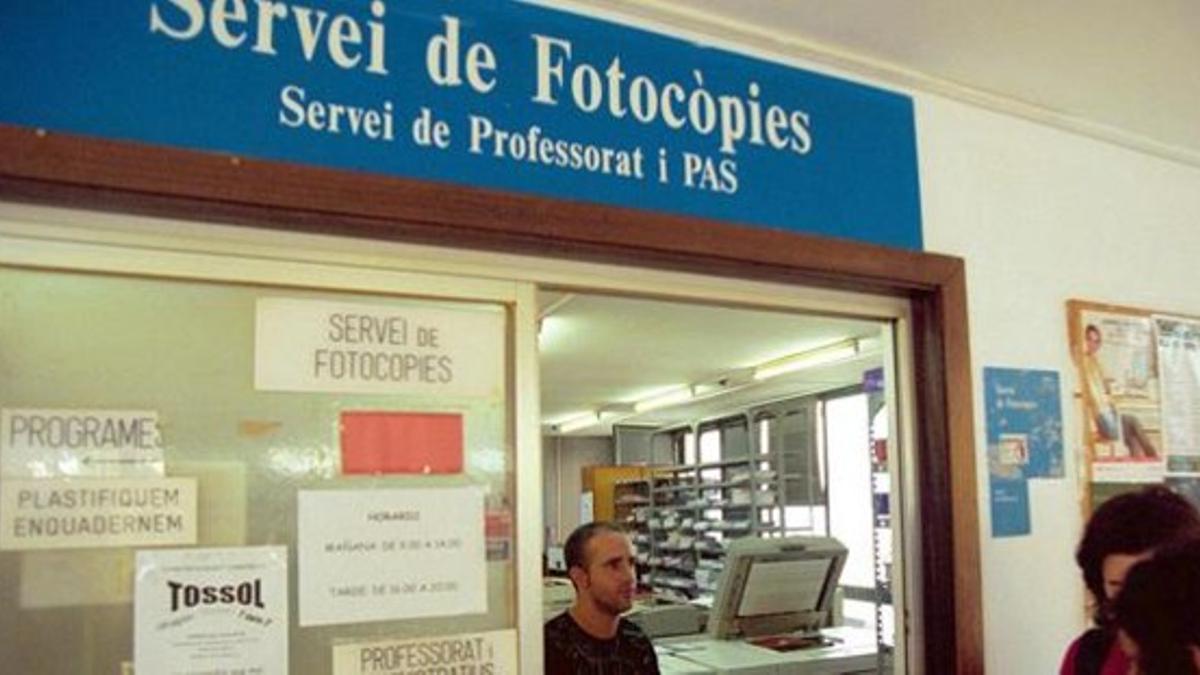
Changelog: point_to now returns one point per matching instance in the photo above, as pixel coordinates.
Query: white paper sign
(375, 555)
(43, 443)
(212, 610)
(491, 653)
(319, 346)
(1179, 380)
(587, 507)
(97, 512)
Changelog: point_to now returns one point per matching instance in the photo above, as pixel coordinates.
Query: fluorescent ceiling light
(576, 423)
(616, 410)
(725, 383)
(663, 400)
(837, 351)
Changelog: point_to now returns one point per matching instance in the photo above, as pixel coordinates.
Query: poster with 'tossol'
(211, 610)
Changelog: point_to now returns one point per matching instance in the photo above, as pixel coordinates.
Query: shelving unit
(693, 511)
(631, 502)
(775, 484)
(881, 529)
(602, 482)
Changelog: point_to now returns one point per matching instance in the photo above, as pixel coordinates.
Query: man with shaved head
(591, 638)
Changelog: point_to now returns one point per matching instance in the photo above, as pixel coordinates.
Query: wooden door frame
(88, 173)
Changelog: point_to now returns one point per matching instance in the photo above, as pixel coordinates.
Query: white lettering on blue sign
(733, 117)
(335, 118)
(506, 96)
(736, 118)
(342, 34)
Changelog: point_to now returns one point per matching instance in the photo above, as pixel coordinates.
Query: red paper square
(400, 442)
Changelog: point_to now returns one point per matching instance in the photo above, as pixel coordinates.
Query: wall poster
(1024, 440)
(1139, 384)
(1024, 414)
(1115, 354)
(1179, 362)
(216, 610)
(382, 554)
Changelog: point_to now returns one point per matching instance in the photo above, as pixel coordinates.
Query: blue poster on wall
(485, 93)
(1010, 505)
(1024, 440)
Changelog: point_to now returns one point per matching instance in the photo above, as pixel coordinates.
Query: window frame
(576, 245)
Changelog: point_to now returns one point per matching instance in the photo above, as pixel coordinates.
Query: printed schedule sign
(217, 610)
(50, 443)
(500, 95)
(97, 512)
(319, 346)
(374, 555)
(491, 653)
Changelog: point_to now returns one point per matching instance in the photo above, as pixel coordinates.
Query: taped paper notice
(79, 443)
(1179, 382)
(378, 442)
(498, 527)
(355, 348)
(96, 512)
(375, 555)
(492, 653)
(214, 610)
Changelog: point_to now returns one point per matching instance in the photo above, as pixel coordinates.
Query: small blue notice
(1010, 506)
(1024, 440)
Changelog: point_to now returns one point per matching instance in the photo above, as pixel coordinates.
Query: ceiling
(1123, 71)
(597, 351)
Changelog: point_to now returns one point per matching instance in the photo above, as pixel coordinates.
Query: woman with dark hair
(1124, 531)
(1159, 608)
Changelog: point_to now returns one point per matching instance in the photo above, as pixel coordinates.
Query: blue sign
(1010, 506)
(872, 380)
(1024, 440)
(1024, 419)
(494, 94)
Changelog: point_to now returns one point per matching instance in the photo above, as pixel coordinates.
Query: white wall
(1041, 216)
(563, 459)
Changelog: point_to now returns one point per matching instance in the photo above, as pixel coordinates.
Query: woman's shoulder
(1067, 667)
(1094, 652)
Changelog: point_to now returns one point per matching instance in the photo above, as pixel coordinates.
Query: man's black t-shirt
(571, 651)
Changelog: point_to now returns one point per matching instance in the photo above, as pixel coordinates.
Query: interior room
(1015, 186)
(696, 426)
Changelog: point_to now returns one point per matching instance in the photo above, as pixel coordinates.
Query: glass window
(186, 353)
(685, 444)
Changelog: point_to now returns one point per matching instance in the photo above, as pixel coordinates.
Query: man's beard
(615, 608)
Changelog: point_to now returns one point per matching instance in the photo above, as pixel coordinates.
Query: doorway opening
(697, 426)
